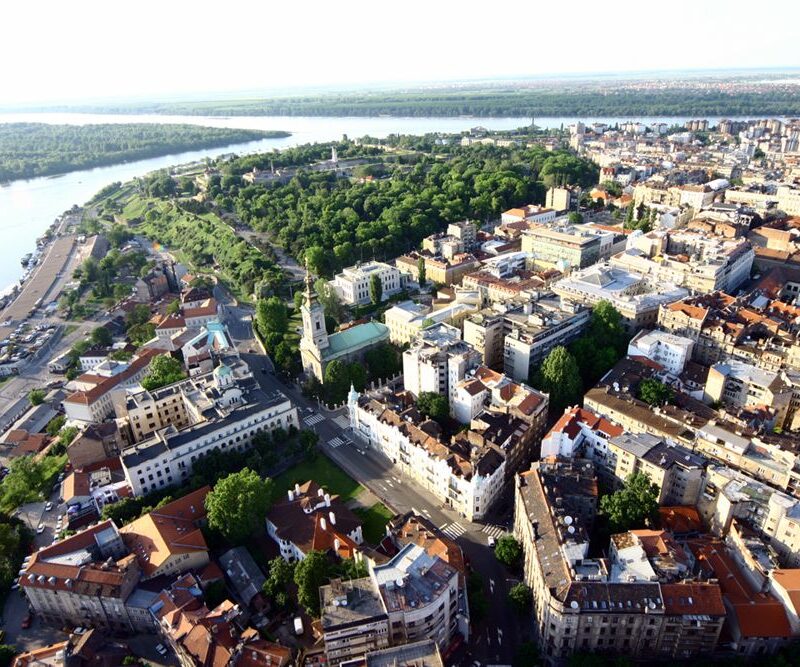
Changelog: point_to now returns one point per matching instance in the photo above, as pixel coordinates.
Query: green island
(28, 150)
(510, 101)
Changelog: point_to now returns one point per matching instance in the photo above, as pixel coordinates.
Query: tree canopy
(633, 506)
(654, 393)
(238, 503)
(163, 370)
(508, 550)
(433, 405)
(559, 377)
(309, 574)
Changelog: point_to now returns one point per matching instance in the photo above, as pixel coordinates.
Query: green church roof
(355, 338)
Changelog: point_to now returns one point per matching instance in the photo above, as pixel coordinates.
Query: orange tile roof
(680, 519)
(789, 580)
(172, 529)
(757, 614)
(91, 395)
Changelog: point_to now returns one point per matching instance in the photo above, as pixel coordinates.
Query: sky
(86, 50)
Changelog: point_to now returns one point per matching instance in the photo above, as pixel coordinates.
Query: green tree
(163, 370)
(140, 314)
(433, 405)
(272, 316)
(375, 288)
(238, 504)
(559, 377)
(521, 598)
(330, 301)
(654, 393)
(36, 396)
(358, 376)
(139, 334)
(337, 381)
(575, 218)
(384, 361)
(174, 307)
(309, 574)
(635, 505)
(54, 425)
(508, 550)
(421, 279)
(67, 435)
(102, 337)
(281, 574)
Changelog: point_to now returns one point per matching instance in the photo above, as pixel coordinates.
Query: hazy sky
(86, 49)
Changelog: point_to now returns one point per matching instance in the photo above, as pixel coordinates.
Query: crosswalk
(493, 531)
(453, 530)
(311, 420)
(342, 421)
(336, 442)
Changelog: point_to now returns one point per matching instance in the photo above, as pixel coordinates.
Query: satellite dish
(573, 604)
(568, 520)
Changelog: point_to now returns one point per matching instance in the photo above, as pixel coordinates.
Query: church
(318, 349)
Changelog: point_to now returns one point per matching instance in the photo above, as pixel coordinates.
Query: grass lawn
(324, 472)
(375, 519)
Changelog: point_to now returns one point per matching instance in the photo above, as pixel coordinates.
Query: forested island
(565, 101)
(28, 150)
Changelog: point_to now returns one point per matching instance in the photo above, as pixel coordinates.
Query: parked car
(40, 529)
(492, 542)
(298, 626)
(161, 649)
(48, 507)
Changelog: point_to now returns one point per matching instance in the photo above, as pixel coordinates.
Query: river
(28, 207)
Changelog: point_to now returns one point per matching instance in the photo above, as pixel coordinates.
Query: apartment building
(632, 294)
(519, 285)
(675, 470)
(415, 596)
(169, 540)
(437, 361)
(407, 319)
(699, 262)
(353, 283)
(598, 605)
(764, 461)
(84, 580)
(233, 409)
(310, 519)
(438, 269)
(566, 247)
(738, 384)
(533, 330)
(666, 349)
(467, 474)
(93, 401)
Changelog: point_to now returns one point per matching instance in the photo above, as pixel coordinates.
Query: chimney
(291, 495)
(297, 488)
(332, 517)
(323, 524)
(327, 500)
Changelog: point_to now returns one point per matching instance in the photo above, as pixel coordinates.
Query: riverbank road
(40, 285)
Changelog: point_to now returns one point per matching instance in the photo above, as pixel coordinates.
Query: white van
(298, 625)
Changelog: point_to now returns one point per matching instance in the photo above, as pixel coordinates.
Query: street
(494, 641)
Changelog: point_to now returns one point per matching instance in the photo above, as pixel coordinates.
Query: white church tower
(315, 336)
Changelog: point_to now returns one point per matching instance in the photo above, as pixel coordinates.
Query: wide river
(27, 207)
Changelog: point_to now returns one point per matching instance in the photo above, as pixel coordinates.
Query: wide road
(493, 641)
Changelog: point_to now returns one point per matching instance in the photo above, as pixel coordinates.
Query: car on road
(48, 507)
(162, 650)
(298, 626)
(26, 622)
(40, 529)
(79, 631)
(492, 542)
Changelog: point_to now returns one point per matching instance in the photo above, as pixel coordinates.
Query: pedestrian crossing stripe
(342, 421)
(336, 442)
(454, 530)
(493, 531)
(314, 419)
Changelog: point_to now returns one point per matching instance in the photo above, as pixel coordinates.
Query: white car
(40, 529)
(492, 542)
(48, 507)
(161, 649)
